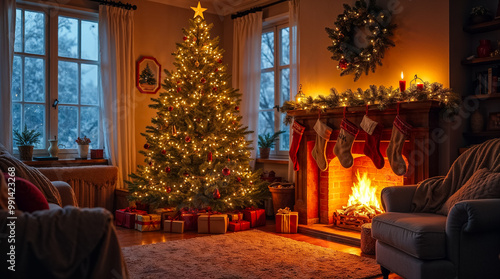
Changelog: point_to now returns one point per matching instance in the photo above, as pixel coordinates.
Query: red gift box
(190, 221)
(126, 217)
(96, 153)
(256, 216)
(287, 222)
(238, 226)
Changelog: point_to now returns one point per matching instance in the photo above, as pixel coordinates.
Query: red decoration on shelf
(238, 178)
(343, 64)
(203, 80)
(216, 194)
(187, 139)
(226, 171)
(209, 156)
(186, 174)
(146, 146)
(164, 152)
(170, 108)
(167, 169)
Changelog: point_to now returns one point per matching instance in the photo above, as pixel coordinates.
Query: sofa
(444, 227)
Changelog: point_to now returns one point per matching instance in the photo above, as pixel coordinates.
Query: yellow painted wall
(422, 46)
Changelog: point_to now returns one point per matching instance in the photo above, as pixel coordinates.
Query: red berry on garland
(216, 194)
(167, 169)
(187, 139)
(226, 171)
(220, 61)
(343, 64)
(209, 156)
(164, 152)
(178, 89)
(146, 146)
(203, 80)
(237, 108)
(186, 174)
(169, 189)
(170, 108)
(238, 178)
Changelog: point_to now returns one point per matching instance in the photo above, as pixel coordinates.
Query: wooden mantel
(420, 149)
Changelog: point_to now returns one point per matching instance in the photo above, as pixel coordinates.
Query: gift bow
(130, 209)
(151, 222)
(285, 210)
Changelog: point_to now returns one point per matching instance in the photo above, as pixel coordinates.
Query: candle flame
(402, 76)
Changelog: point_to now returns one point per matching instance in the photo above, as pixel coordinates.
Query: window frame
(51, 71)
(276, 27)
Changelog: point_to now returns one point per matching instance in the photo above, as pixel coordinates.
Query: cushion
(27, 196)
(421, 235)
(483, 184)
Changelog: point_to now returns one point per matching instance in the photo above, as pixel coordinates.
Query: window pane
(17, 70)
(285, 137)
(34, 79)
(89, 124)
(267, 56)
(34, 32)
(68, 82)
(266, 122)
(67, 126)
(88, 82)
(89, 40)
(284, 85)
(266, 90)
(16, 116)
(34, 118)
(68, 37)
(285, 46)
(18, 41)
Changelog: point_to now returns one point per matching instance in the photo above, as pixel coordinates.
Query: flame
(363, 193)
(402, 76)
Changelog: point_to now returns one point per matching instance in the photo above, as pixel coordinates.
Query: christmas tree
(196, 152)
(147, 76)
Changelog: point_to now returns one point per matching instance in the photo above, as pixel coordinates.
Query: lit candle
(402, 83)
(420, 86)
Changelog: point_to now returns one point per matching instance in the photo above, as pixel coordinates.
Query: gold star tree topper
(198, 10)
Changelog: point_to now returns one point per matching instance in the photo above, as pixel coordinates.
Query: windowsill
(277, 161)
(66, 163)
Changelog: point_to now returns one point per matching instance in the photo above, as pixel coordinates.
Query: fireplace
(321, 194)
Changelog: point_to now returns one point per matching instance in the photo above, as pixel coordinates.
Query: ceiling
(220, 7)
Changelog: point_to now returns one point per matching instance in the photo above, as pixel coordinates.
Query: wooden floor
(128, 237)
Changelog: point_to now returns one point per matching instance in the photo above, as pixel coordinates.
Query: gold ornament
(174, 131)
(198, 10)
(197, 63)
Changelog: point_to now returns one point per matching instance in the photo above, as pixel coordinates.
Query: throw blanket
(433, 192)
(31, 174)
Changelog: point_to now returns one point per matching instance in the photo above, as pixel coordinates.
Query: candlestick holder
(300, 96)
(418, 82)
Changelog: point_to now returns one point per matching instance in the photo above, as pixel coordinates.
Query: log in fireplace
(319, 194)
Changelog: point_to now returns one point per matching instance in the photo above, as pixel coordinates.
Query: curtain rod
(119, 4)
(256, 9)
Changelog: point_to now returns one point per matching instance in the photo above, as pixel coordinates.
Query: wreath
(361, 37)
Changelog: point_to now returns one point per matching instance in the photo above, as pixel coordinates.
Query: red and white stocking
(297, 132)
(400, 132)
(372, 145)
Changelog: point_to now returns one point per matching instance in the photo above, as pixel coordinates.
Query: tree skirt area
(246, 254)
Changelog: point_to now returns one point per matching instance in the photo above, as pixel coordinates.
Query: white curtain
(247, 36)
(293, 15)
(116, 30)
(7, 29)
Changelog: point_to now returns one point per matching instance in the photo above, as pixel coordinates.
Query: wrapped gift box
(166, 214)
(287, 222)
(212, 223)
(235, 216)
(190, 221)
(256, 217)
(148, 222)
(126, 217)
(237, 226)
(173, 226)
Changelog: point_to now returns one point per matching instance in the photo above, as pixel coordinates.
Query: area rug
(247, 254)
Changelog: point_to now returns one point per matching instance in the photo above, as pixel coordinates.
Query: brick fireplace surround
(319, 193)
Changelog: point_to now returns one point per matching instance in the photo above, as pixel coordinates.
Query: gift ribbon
(148, 223)
(285, 223)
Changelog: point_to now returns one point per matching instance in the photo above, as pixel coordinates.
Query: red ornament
(237, 108)
(194, 39)
(146, 146)
(220, 61)
(185, 38)
(238, 178)
(343, 64)
(214, 89)
(216, 194)
(216, 70)
(170, 108)
(167, 169)
(164, 152)
(209, 156)
(169, 189)
(226, 171)
(150, 163)
(203, 80)
(186, 174)
(178, 89)
(187, 139)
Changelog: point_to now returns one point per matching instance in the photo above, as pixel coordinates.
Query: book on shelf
(487, 82)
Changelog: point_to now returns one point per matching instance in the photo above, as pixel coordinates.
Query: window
(55, 80)
(275, 84)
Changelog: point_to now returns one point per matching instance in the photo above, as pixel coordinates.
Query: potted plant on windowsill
(25, 142)
(83, 147)
(266, 142)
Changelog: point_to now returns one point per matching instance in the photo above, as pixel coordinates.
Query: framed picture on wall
(148, 75)
(494, 121)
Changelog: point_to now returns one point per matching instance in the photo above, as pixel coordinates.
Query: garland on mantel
(381, 96)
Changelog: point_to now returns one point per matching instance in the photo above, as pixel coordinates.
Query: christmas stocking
(372, 145)
(297, 131)
(322, 137)
(400, 131)
(342, 149)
